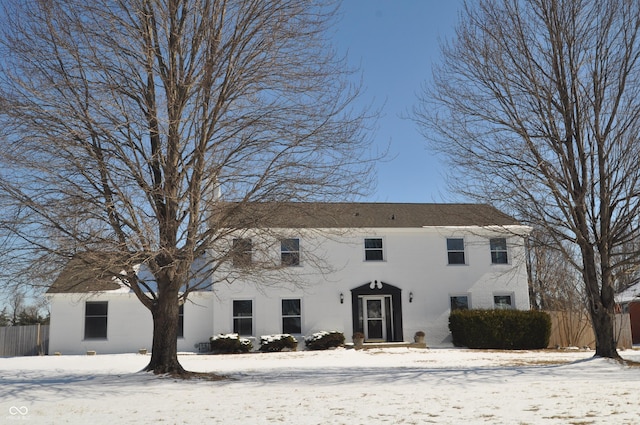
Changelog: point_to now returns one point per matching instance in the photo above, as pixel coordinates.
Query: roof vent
(393, 216)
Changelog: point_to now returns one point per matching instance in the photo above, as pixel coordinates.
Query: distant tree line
(18, 313)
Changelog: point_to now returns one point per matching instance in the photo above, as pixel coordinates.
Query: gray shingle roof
(79, 277)
(375, 215)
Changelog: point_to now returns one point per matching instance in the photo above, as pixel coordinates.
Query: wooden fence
(32, 340)
(573, 329)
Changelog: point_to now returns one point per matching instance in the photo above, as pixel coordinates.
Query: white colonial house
(384, 269)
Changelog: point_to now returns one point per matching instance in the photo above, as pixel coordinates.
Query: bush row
(232, 343)
(500, 329)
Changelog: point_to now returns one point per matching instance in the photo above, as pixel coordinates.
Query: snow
(265, 339)
(630, 294)
(341, 386)
(319, 335)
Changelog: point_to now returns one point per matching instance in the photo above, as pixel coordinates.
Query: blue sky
(394, 43)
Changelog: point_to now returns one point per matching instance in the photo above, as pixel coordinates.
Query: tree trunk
(164, 352)
(601, 306)
(605, 339)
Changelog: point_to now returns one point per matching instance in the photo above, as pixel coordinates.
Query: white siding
(129, 324)
(415, 261)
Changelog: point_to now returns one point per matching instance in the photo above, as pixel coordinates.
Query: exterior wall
(129, 323)
(415, 261)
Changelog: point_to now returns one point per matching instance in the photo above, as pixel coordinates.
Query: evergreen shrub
(230, 344)
(276, 343)
(324, 340)
(500, 329)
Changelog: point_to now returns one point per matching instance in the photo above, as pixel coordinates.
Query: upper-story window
(290, 252)
(373, 249)
(455, 250)
(498, 251)
(241, 255)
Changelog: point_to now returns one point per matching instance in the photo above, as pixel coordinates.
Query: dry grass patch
(538, 362)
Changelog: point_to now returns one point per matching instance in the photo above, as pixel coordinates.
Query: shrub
(324, 340)
(230, 344)
(500, 329)
(276, 343)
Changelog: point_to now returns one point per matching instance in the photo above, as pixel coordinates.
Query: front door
(376, 311)
(375, 318)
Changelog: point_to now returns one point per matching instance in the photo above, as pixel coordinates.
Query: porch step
(369, 345)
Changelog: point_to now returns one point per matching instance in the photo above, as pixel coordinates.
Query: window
(502, 302)
(455, 250)
(291, 318)
(181, 322)
(95, 320)
(498, 250)
(459, 302)
(290, 252)
(243, 317)
(373, 249)
(241, 255)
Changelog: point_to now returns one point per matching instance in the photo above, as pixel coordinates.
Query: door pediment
(381, 290)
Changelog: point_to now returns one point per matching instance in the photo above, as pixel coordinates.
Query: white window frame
(381, 249)
(499, 251)
(242, 258)
(511, 296)
(105, 316)
(283, 316)
(234, 317)
(299, 251)
(457, 295)
(464, 251)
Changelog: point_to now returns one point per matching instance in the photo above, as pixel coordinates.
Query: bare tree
(124, 120)
(536, 105)
(17, 304)
(4, 318)
(554, 284)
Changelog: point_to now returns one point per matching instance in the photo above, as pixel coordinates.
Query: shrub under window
(276, 343)
(324, 340)
(500, 329)
(230, 344)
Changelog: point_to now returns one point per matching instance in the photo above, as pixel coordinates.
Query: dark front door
(377, 311)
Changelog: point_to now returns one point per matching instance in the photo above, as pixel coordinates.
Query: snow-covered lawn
(380, 386)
